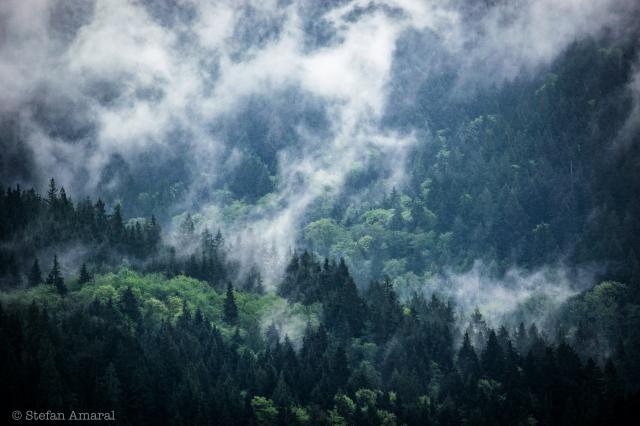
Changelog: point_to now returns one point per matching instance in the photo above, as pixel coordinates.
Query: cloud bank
(93, 90)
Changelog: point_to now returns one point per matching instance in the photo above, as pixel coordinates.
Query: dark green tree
(230, 308)
(129, 304)
(35, 274)
(52, 193)
(493, 357)
(55, 278)
(116, 225)
(467, 360)
(85, 276)
(101, 221)
(109, 389)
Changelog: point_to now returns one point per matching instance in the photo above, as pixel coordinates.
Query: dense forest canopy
(338, 213)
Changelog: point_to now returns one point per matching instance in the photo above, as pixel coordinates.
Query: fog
(92, 92)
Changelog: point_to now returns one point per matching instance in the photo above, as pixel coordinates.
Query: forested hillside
(527, 175)
(320, 213)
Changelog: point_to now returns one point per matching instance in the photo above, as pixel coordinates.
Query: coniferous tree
(153, 234)
(230, 308)
(272, 336)
(52, 193)
(85, 276)
(521, 339)
(66, 205)
(258, 287)
(129, 304)
(493, 357)
(35, 274)
(116, 225)
(187, 229)
(100, 220)
(55, 278)
(467, 359)
(108, 388)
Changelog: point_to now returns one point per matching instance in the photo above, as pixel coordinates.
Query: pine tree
(52, 193)
(272, 336)
(55, 277)
(100, 219)
(129, 304)
(64, 200)
(187, 229)
(192, 269)
(153, 232)
(397, 222)
(108, 388)
(35, 274)
(522, 339)
(493, 357)
(467, 359)
(281, 394)
(264, 410)
(219, 240)
(340, 368)
(116, 225)
(85, 277)
(230, 308)
(259, 286)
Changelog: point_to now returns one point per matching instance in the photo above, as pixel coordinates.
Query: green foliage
(301, 416)
(84, 276)
(55, 278)
(323, 234)
(402, 369)
(521, 174)
(250, 178)
(264, 410)
(230, 308)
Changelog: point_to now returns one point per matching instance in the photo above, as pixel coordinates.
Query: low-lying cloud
(516, 296)
(87, 84)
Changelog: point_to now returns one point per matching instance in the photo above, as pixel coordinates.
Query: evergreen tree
(108, 389)
(100, 220)
(52, 194)
(264, 410)
(35, 274)
(187, 228)
(467, 359)
(219, 240)
(397, 222)
(272, 335)
(230, 308)
(129, 304)
(84, 277)
(154, 234)
(55, 278)
(493, 357)
(116, 225)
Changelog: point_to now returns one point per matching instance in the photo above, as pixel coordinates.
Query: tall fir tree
(55, 278)
(129, 304)
(52, 193)
(116, 225)
(230, 308)
(35, 274)
(85, 276)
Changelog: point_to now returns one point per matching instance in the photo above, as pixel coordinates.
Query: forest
(332, 213)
